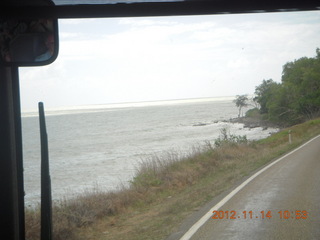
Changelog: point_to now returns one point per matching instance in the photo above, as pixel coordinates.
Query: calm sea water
(101, 146)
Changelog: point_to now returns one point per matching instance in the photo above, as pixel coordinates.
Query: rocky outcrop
(254, 122)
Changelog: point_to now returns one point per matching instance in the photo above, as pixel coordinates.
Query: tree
(264, 94)
(297, 97)
(241, 101)
(302, 79)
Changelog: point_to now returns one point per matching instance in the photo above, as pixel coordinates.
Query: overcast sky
(117, 60)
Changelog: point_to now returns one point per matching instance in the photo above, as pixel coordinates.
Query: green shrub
(226, 138)
(253, 113)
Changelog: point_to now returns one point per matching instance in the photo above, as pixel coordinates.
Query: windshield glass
(126, 88)
(150, 118)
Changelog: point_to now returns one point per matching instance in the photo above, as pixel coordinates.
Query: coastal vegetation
(297, 97)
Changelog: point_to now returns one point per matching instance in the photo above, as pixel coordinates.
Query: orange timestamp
(283, 214)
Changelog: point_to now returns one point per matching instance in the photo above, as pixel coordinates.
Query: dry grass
(166, 190)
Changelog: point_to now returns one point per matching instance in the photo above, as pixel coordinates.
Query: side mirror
(28, 42)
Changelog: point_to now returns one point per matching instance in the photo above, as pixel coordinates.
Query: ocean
(100, 146)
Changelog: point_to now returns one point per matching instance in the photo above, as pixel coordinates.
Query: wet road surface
(283, 202)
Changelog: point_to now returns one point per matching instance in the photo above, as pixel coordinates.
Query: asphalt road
(282, 202)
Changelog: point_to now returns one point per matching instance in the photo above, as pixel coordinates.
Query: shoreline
(251, 122)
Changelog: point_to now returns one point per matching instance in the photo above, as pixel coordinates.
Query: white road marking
(208, 215)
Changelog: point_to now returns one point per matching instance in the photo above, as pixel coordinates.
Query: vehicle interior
(41, 17)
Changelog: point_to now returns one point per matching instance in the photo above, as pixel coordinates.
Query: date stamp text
(268, 214)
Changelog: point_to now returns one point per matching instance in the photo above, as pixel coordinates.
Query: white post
(290, 141)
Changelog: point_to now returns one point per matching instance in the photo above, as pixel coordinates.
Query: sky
(118, 60)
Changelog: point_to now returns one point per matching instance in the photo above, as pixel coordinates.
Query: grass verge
(165, 190)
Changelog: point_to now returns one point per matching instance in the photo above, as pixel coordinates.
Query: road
(282, 202)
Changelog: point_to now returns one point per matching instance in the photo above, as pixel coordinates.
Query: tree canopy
(297, 97)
